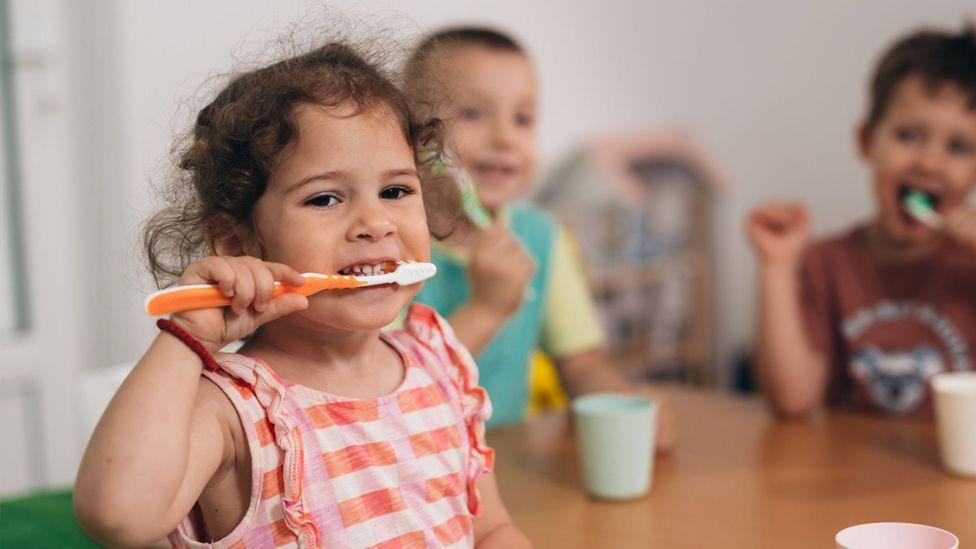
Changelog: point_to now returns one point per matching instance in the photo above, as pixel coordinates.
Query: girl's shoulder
(234, 467)
(224, 398)
(215, 403)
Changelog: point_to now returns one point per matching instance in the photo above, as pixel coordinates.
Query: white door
(42, 249)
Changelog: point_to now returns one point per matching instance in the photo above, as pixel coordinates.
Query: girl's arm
(493, 527)
(137, 479)
(167, 431)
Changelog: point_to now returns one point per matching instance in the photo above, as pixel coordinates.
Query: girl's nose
(372, 222)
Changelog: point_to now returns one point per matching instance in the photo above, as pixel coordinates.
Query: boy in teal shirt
(515, 285)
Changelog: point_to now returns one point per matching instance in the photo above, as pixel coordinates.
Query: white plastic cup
(895, 535)
(955, 412)
(616, 443)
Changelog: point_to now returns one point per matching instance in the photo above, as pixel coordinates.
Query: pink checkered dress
(399, 470)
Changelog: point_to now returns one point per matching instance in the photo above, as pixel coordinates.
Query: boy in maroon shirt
(867, 317)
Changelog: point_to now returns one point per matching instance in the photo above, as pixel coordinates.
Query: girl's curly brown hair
(224, 162)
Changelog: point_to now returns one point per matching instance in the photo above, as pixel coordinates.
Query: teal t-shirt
(503, 365)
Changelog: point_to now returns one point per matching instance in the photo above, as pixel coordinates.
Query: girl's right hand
(250, 282)
(779, 232)
(500, 270)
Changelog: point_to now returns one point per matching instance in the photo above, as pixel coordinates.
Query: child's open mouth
(494, 170)
(369, 269)
(933, 199)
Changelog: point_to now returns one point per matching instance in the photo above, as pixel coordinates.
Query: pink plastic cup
(895, 535)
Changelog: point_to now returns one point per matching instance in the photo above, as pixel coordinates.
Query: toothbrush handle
(191, 298)
(205, 296)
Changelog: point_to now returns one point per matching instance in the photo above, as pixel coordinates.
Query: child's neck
(350, 364)
(888, 249)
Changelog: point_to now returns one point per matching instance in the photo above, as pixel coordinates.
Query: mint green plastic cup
(616, 441)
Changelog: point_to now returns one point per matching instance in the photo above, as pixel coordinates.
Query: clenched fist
(250, 283)
(779, 232)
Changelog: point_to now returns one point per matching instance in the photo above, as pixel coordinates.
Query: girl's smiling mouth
(368, 267)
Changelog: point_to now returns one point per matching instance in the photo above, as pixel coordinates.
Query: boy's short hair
(467, 36)
(418, 71)
(937, 57)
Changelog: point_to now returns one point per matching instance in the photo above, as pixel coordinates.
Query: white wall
(771, 89)
(38, 367)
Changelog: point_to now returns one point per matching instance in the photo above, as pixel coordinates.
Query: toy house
(641, 210)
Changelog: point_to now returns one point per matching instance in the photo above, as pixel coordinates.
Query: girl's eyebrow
(401, 171)
(339, 174)
(335, 174)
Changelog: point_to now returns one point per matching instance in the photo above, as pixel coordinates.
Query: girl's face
(345, 196)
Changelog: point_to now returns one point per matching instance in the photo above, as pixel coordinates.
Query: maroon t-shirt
(887, 327)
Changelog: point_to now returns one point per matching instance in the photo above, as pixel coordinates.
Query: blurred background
(766, 95)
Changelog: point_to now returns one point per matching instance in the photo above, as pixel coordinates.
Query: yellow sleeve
(569, 324)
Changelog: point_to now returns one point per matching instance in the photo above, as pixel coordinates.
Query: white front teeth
(364, 270)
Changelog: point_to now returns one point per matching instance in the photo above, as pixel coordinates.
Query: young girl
(320, 431)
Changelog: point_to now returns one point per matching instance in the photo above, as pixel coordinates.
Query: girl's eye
(908, 135)
(323, 200)
(524, 120)
(470, 113)
(395, 192)
(960, 147)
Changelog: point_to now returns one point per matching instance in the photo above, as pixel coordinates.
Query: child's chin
(495, 198)
(365, 322)
(377, 316)
(907, 234)
(357, 317)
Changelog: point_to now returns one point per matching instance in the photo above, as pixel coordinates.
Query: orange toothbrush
(204, 296)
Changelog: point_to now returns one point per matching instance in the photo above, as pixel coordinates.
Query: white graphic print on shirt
(896, 378)
(896, 381)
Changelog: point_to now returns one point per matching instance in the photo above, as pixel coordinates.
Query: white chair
(96, 389)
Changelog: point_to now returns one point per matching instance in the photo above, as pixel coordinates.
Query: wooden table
(738, 478)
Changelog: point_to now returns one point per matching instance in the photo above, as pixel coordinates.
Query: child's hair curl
(937, 57)
(224, 162)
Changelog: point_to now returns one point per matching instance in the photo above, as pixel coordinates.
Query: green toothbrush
(919, 206)
(473, 209)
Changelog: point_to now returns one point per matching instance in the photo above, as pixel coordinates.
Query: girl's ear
(226, 237)
(862, 139)
(242, 241)
(229, 245)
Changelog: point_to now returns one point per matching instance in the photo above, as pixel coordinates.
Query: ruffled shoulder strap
(433, 332)
(255, 381)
